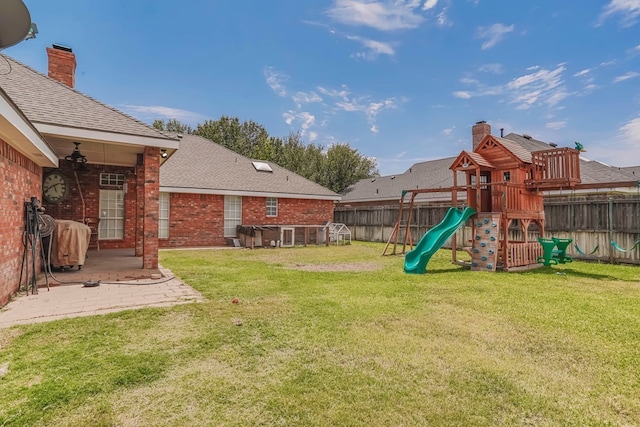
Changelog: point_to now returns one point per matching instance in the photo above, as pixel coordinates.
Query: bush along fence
(602, 227)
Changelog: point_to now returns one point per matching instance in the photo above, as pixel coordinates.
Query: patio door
(111, 215)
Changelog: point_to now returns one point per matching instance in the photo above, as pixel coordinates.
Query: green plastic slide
(415, 261)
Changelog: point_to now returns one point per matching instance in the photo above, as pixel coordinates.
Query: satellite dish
(15, 22)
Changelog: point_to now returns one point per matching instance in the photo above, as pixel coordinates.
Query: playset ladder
(400, 225)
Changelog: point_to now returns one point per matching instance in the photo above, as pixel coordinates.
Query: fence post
(610, 230)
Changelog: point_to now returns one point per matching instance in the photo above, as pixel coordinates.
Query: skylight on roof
(262, 166)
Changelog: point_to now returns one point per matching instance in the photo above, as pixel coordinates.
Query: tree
(247, 138)
(172, 125)
(345, 166)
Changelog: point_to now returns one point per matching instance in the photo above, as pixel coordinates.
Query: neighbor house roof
(48, 104)
(436, 174)
(204, 167)
(429, 174)
(633, 170)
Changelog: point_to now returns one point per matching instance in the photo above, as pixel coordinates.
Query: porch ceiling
(100, 152)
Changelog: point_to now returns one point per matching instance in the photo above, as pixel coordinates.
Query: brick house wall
(70, 208)
(198, 219)
(22, 179)
(290, 211)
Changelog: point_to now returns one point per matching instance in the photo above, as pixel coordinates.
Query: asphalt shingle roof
(429, 174)
(201, 164)
(45, 100)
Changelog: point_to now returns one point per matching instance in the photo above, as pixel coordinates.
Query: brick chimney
(478, 132)
(62, 64)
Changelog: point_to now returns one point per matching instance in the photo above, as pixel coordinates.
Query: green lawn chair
(561, 252)
(547, 257)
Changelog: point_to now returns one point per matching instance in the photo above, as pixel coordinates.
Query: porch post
(151, 172)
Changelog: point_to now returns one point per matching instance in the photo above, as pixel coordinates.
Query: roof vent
(525, 136)
(393, 177)
(553, 144)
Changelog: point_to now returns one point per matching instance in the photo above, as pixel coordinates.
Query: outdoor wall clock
(55, 187)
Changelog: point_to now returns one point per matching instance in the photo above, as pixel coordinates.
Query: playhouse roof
(519, 151)
(472, 159)
(201, 166)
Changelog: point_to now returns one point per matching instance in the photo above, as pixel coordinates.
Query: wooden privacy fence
(592, 223)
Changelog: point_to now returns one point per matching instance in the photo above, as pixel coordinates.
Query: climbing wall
(484, 252)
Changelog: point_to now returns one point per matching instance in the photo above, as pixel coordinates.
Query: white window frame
(111, 215)
(272, 206)
(163, 215)
(232, 215)
(112, 179)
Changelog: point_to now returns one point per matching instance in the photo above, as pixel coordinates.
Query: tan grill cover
(70, 243)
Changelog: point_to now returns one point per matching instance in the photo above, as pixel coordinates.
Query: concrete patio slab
(78, 300)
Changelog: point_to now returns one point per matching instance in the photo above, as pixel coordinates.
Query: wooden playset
(503, 184)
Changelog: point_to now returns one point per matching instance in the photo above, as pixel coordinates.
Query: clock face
(55, 187)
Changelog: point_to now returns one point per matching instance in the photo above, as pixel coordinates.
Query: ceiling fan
(76, 157)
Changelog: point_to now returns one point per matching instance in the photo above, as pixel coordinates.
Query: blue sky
(402, 81)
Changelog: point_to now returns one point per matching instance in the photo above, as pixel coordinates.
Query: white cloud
(301, 98)
(374, 48)
(462, 94)
(345, 102)
(334, 93)
(493, 34)
(556, 125)
(630, 131)
(626, 76)
(429, 4)
(626, 150)
(629, 9)
(448, 131)
(381, 15)
(543, 85)
(539, 87)
(304, 118)
(442, 20)
(491, 68)
(582, 73)
(152, 112)
(276, 80)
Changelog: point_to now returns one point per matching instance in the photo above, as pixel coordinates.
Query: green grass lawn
(341, 336)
